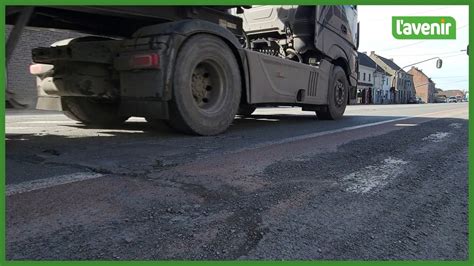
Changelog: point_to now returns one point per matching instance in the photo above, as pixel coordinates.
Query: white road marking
(374, 176)
(323, 133)
(49, 182)
(406, 125)
(47, 122)
(437, 137)
(16, 128)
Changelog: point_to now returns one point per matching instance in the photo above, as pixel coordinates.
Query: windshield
(351, 13)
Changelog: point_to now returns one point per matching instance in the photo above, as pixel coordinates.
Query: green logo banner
(425, 27)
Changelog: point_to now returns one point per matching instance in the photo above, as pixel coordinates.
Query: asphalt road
(385, 182)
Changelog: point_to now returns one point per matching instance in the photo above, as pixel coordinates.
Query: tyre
(91, 111)
(206, 87)
(337, 96)
(246, 110)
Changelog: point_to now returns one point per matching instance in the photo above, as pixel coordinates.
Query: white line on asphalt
(46, 122)
(339, 130)
(49, 182)
(17, 128)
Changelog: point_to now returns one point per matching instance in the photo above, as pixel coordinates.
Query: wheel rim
(339, 93)
(207, 86)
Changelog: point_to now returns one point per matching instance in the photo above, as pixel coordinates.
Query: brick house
(424, 86)
(403, 89)
(21, 85)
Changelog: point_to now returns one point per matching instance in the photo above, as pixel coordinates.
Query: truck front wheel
(206, 87)
(337, 96)
(91, 111)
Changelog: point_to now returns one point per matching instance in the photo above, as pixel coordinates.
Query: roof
(365, 60)
(450, 93)
(389, 63)
(417, 70)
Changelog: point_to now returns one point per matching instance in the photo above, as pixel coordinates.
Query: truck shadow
(246, 126)
(240, 123)
(137, 146)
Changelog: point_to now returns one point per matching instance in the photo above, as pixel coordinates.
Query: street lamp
(439, 64)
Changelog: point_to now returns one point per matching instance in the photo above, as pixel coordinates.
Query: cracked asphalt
(384, 183)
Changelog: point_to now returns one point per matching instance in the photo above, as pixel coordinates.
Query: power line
(456, 52)
(444, 57)
(403, 46)
(415, 13)
(458, 81)
(447, 77)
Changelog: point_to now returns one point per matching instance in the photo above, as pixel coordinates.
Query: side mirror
(439, 63)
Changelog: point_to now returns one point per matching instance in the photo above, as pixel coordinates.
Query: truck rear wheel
(206, 87)
(337, 96)
(91, 111)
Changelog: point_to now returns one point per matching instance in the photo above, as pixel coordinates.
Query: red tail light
(145, 61)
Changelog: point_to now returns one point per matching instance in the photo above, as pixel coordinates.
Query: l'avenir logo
(425, 27)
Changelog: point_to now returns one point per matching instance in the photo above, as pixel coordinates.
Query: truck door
(338, 22)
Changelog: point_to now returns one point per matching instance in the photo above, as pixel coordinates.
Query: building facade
(401, 89)
(366, 79)
(372, 82)
(381, 93)
(425, 88)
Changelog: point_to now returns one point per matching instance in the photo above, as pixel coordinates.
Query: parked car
(441, 99)
(452, 99)
(419, 100)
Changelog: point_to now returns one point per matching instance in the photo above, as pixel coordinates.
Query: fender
(336, 52)
(187, 28)
(182, 30)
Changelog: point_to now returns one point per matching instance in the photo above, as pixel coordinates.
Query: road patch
(374, 176)
(437, 137)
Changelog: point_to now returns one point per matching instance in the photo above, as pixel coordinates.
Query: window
(369, 76)
(358, 75)
(364, 76)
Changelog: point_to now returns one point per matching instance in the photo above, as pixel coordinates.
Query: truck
(194, 67)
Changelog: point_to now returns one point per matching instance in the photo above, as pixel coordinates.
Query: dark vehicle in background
(195, 67)
(413, 100)
(441, 99)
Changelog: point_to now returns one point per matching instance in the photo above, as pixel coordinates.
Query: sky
(376, 35)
